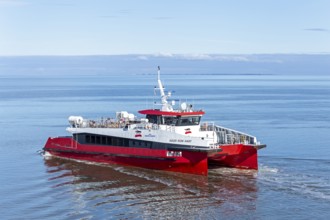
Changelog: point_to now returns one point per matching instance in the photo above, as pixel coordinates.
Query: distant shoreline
(218, 64)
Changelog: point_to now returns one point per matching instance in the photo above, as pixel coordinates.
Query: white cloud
(214, 57)
(142, 57)
(196, 56)
(163, 54)
(230, 58)
(236, 58)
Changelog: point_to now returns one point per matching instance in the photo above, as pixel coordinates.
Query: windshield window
(175, 121)
(186, 121)
(170, 120)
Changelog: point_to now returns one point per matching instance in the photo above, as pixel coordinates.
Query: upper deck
(171, 113)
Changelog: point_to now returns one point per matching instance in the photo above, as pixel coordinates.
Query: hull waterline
(236, 156)
(192, 162)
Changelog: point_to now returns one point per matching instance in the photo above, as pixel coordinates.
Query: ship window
(98, 140)
(120, 142)
(114, 141)
(93, 139)
(186, 121)
(169, 120)
(104, 140)
(109, 141)
(152, 119)
(88, 139)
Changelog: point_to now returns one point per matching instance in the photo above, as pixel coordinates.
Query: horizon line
(158, 54)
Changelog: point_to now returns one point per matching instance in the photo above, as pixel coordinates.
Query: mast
(161, 88)
(165, 105)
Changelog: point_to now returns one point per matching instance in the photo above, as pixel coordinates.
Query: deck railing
(228, 136)
(224, 135)
(113, 123)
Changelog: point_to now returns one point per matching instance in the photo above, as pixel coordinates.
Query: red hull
(192, 162)
(236, 155)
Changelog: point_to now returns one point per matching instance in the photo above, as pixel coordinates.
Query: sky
(108, 27)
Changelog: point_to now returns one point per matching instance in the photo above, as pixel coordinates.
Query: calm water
(290, 113)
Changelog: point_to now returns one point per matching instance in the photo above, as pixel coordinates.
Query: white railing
(221, 135)
(113, 123)
(228, 136)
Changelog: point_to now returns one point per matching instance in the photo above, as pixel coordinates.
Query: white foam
(309, 185)
(266, 169)
(152, 175)
(47, 155)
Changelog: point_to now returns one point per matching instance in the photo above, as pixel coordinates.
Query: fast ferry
(170, 138)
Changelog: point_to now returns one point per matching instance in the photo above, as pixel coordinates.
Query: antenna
(165, 105)
(161, 88)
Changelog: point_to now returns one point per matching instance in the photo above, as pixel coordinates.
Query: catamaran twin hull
(193, 161)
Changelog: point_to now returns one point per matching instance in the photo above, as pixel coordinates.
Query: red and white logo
(187, 131)
(138, 133)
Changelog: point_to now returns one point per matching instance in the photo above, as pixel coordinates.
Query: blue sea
(286, 109)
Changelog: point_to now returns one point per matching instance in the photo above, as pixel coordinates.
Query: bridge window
(169, 120)
(186, 121)
(153, 119)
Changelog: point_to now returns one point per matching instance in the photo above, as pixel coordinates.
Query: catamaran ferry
(168, 138)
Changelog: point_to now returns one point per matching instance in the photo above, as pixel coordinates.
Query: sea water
(289, 113)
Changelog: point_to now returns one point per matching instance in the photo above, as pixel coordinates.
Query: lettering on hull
(179, 140)
(174, 154)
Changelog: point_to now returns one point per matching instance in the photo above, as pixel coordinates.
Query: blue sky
(106, 27)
